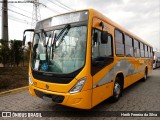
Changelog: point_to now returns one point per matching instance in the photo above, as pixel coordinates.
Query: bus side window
(100, 49)
(146, 51)
(149, 55)
(151, 52)
(128, 46)
(136, 48)
(119, 43)
(142, 49)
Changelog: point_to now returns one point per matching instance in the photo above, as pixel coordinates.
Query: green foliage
(10, 52)
(16, 53)
(4, 52)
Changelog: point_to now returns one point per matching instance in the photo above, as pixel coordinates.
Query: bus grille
(55, 98)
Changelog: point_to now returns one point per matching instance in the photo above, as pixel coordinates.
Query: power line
(52, 9)
(27, 11)
(16, 12)
(59, 5)
(19, 20)
(30, 13)
(39, 3)
(64, 5)
(20, 8)
(49, 8)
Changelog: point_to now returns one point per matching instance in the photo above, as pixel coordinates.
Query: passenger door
(101, 62)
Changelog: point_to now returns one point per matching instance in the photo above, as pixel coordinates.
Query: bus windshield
(59, 51)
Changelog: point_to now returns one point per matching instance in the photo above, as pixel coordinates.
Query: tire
(145, 76)
(117, 90)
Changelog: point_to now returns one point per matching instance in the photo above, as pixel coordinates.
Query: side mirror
(104, 37)
(24, 40)
(24, 36)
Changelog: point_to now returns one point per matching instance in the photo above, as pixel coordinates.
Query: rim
(117, 89)
(145, 76)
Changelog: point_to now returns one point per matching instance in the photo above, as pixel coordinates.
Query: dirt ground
(13, 77)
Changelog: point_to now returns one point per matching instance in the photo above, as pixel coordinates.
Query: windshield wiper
(67, 27)
(53, 44)
(56, 37)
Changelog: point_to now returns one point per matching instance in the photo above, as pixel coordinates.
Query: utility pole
(35, 13)
(5, 20)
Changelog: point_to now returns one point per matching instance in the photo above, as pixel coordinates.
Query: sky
(141, 17)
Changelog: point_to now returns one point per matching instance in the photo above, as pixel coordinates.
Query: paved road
(141, 96)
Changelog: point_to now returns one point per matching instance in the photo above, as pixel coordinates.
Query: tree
(0, 53)
(17, 44)
(26, 53)
(4, 52)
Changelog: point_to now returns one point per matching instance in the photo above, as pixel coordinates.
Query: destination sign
(63, 19)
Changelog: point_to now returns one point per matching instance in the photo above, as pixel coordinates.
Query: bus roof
(109, 21)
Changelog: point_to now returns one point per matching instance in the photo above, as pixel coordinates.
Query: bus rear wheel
(117, 90)
(145, 75)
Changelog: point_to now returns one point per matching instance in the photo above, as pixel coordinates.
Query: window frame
(112, 48)
(119, 55)
(135, 48)
(101, 43)
(142, 44)
(128, 45)
(146, 51)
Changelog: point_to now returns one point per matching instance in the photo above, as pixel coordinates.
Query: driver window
(99, 49)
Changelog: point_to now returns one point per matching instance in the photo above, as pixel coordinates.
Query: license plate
(48, 99)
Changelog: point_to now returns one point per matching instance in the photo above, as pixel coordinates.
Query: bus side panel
(143, 65)
(129, 74)
(127, 81)
(101, 93)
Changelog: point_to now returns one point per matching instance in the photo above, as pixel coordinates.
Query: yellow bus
(81, 58)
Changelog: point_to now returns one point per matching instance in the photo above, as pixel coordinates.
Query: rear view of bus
(58, 65)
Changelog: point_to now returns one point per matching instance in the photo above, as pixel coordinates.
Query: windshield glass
(59, 52)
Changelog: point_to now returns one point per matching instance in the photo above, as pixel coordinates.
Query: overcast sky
(141, 17)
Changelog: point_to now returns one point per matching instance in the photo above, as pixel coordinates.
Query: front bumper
(80, 100)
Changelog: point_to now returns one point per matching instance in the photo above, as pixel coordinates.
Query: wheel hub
(117, 89)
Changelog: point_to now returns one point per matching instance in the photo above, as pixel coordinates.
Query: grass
(13, 77)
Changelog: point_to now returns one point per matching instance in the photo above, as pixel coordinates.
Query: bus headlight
(78, 86)
(30, 80)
